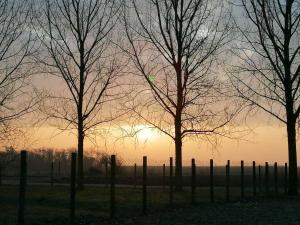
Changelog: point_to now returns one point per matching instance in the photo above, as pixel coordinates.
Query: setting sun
(145, 133)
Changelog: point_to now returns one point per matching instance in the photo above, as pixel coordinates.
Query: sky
(265, 140)
(265, 143)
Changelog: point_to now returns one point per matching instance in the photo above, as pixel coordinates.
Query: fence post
(242, 180)
(106, 173)
(254, 178)
(134, 175)
(171, 183)
(227, 179)
(22, 187)
(193, 181)
(285, 178)
(112, 185)
(73, 188)
(164, 176)
(267, 178)
(59, 168)
(51, 173)
(145, 185)
(0, 174)
(212, 181)
(276, 178)
(259, 178)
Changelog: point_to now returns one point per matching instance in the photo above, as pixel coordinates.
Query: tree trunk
(80, 119)
(178, 124)
(80, 180)
(178, 155)
(1, 174)
(292, 149)
(291, 117)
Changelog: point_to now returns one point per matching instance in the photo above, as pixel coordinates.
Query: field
(46, 205)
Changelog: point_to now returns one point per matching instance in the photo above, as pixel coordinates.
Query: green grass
(46, 205)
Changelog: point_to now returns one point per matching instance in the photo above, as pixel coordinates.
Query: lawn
(46, 205)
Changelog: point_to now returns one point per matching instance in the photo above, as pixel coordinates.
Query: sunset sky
(265, 142)
(262, 139)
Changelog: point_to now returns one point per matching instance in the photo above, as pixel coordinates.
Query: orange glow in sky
(266, 143)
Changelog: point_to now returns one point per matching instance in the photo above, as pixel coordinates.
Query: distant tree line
(39, 161)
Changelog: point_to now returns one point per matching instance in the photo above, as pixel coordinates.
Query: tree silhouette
(267, 75)
(75, 38)
(174, 45)
(15, 48)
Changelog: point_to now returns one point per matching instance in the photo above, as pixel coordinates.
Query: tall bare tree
(175, 45)
(75, 35)
(268, 71)
(15, 47)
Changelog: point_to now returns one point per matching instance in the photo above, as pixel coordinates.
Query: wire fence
(131, 174)
(129, 185)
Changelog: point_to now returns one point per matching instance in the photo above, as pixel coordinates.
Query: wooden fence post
(267, 178)
(51, 173)
(227, 179)
(242, 181)
(0, 175)
(193, 181)
(59, 168)
(134, 175)
(171, 183)
(254, 178)
(259, 178)
(112, 185)
(212, 181)
(285, 178)
(73, 188)
(164, 176)
(145, 185)
(22, 187)
(276, 178)
(106, 173)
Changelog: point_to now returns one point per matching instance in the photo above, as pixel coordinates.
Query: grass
(46, 205)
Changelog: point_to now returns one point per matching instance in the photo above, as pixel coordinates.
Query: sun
(145, 133)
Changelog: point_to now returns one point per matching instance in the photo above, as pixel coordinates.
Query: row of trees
(39, 161)
(165, 62)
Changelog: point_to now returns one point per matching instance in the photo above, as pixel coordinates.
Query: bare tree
(175, 46)
(267, 75)
(15, 47)
(75, 35)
